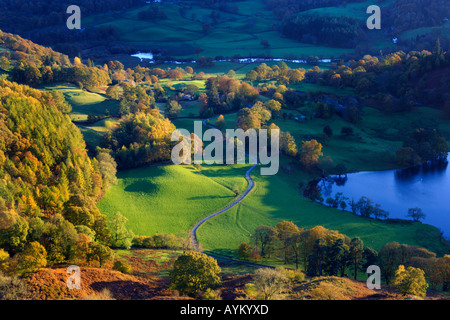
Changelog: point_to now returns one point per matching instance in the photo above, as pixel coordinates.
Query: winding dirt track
(251, 184)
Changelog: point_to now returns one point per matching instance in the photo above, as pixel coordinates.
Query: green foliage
(333, 31)
(244, 250)
(13, 231)
(121, 237)
(193, 272)
(410, 281)
(157, 241)
(122, 266)
(140, 138)
(32, 258)
(210, 294)
(100, 253)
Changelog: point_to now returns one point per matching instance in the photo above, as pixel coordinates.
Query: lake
(426, 187)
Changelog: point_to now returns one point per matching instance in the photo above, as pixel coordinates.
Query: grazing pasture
(169, 198)
(238, 33)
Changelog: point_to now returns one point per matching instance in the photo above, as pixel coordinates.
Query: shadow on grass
(141, 186)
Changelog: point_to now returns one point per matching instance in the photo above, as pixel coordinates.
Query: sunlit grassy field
(84, 102)
(170, 199)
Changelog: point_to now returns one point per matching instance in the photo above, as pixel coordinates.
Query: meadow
(84, 102)
(171, 198)
(182, 32)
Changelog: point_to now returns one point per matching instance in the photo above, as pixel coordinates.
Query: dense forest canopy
(48, 184)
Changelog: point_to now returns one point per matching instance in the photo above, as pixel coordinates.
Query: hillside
(149, 281)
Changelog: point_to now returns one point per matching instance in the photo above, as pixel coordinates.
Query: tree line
(323, 252)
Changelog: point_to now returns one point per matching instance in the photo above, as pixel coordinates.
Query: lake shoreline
(396, 178)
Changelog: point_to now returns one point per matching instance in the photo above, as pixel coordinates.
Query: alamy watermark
(74, 281)
(74, 21)
(190, 147)
(374, 21)
(374, 279)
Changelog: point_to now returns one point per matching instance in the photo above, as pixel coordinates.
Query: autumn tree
(193, 272)
(100, 253)
(32, 258)
(265, 238)
(244, 250)
(286, 230)
(274, 106)
(309, 238)
(440, 274)
(410, 281)
(287, 144)
(113, 92)
(108, 168)
(310, 153)
(220, 123)
(172, 109)
(248, 119)
(270, 283)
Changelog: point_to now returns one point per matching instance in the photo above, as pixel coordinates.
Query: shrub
(410, 281)
(292, 275)
(13, 288)
(105, 294)
(210, 294)
(271, 284)
(157, 241)
(122, 266)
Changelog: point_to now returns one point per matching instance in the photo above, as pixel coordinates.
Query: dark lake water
(426, 187)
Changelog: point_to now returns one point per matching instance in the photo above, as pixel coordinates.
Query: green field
(444, 29)
(170, 199)
(84, 102)
(235, 34)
